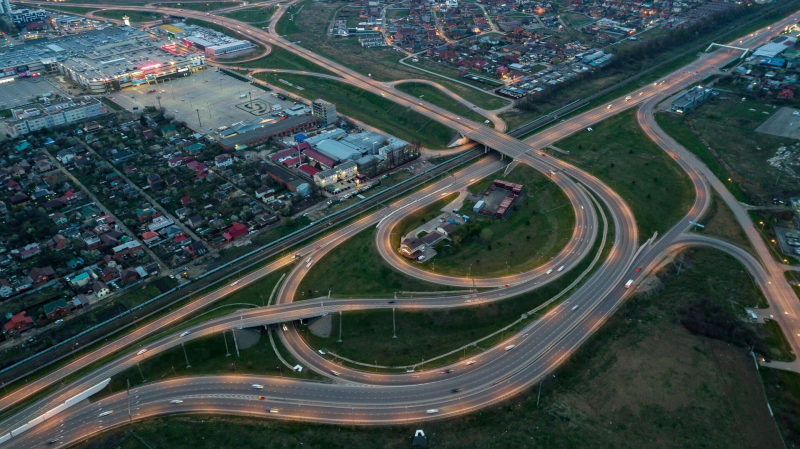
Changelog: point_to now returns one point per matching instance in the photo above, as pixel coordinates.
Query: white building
(37, 116)
(5, 7)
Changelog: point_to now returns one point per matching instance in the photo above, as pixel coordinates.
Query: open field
(641, 381)
(201, 6)
(619, 153)
(279, 58)
(367, 107)
(727, 125)
(135, 16)
(437, 97)
(252, 15)
(674, 126)
(355, 268)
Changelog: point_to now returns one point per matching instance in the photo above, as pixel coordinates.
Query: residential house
(29, 250)
(446, 228)
(235, 231)
(223, 160)
(5, 289)
(19, 323)
(411, 248)
(129, 275)
(56, 309)
(42, 275)
(110, 274)
(100, 289)
(80, 280)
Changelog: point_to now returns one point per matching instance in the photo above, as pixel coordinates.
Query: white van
(561, 268)
(298, 368)
(629, 283)
(549, 271)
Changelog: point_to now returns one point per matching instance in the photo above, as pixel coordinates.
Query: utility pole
(227, 352)
(186, 356)
(340, 327)
(130, 418)
(140, 372)
(158, 97)
(262, 300)
(198, 118)
(235, 343)
(540, 393)
(394, 324)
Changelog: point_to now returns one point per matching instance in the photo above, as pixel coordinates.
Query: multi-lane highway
(365, 398)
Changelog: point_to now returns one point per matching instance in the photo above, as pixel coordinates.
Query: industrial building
(25, 16)
(691, 99)
(101, 61)
(213, 43)
(776, 47)
(47, 115)
(263, 130)
(325, 110)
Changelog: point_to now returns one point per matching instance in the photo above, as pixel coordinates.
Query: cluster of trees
(470, 231)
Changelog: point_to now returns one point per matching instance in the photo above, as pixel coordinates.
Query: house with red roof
(19, 323)
(235, 231)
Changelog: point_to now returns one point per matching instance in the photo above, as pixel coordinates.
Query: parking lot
(23, 90)
(218, 99)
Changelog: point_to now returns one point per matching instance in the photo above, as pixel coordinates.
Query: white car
(176, 401)
(141, 351)
(257, 386)
(470, 362)
(432, 411)
(185, 334)
(510, 347)
(549, 271)
(106, 413)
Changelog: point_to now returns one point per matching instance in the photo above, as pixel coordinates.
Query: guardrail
(158, 303)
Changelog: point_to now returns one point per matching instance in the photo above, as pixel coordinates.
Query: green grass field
(202, 6)
(358, 262)
(540, 224)
(367, 107)
(437, 97)
(252, 15)
(619, 153)
(135, 16)
(279, 58)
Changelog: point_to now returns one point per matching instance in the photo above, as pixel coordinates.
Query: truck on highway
(629, 283)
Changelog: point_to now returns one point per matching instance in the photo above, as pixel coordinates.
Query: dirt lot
(782, 124)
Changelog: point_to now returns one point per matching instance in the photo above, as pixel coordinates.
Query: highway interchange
(358, 397)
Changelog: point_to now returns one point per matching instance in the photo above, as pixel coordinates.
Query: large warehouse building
(101, 61)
